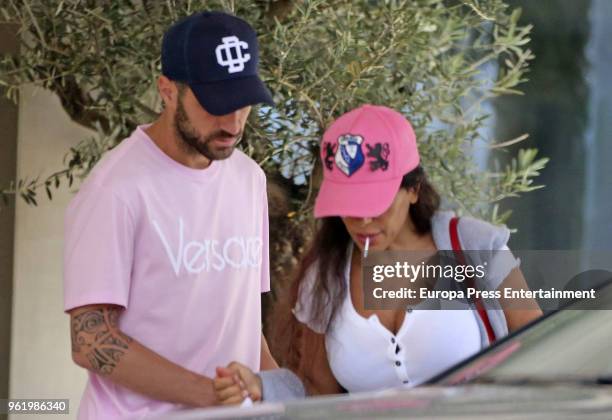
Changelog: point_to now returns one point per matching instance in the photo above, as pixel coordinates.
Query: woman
(375, 192)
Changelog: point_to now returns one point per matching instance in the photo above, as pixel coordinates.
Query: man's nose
(232, 123)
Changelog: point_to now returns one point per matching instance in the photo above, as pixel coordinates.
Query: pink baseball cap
(365, 153)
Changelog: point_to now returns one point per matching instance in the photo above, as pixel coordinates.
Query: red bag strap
(456, 244)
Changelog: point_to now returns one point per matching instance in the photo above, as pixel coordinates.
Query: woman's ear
(413, 194)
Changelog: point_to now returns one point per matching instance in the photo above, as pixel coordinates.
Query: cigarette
(366, 247)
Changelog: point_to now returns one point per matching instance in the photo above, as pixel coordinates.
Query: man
(166, 248)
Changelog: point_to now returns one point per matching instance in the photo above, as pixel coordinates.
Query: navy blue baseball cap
(216, 55)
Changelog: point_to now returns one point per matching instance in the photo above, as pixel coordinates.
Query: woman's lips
(362, 238)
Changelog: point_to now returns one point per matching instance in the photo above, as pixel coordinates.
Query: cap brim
(227, 96)
(355, 200)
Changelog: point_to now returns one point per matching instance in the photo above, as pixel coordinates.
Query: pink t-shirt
(185, 251)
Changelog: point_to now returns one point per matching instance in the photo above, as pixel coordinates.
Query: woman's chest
(390, 319)
(364, 355)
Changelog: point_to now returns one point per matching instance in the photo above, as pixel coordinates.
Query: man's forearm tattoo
(95, 333)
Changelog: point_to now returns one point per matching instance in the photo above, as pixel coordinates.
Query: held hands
(235, 383)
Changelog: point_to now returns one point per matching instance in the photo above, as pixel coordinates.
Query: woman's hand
(235, 383)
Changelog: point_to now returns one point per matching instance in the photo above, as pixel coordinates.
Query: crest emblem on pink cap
(349, 157)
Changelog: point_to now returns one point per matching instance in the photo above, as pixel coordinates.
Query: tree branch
(78, 104)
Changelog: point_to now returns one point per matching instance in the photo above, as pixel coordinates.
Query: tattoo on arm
(96, 334)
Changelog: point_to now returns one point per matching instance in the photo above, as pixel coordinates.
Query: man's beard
(194, 142)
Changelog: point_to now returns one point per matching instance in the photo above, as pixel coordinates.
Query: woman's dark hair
(429, 199)
(328, 250)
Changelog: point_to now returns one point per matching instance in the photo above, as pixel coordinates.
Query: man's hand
(236, 382)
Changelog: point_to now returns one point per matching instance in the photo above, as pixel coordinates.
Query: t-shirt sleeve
(490, 241)
(303, 308)
(265, 243)
(98, 249)
(501, 264)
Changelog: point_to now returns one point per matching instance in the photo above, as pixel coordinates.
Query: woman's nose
(366, 220)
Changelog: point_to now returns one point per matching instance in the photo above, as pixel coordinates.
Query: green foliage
(319, 58)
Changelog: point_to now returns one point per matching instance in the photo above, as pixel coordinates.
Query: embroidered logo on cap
(330, 153)
(229, 54)
(380, 152)
(349, 157)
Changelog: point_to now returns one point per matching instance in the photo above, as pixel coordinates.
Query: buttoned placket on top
(394, 351)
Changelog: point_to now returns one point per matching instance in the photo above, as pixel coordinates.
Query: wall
(598, 188)
(41, 365)
(8, 154)
(554, 113)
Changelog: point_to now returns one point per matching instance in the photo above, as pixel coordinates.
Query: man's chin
(221, 153)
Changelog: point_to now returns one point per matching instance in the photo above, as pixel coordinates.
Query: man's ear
(168, 92)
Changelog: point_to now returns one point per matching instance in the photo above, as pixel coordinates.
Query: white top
(366, 356)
